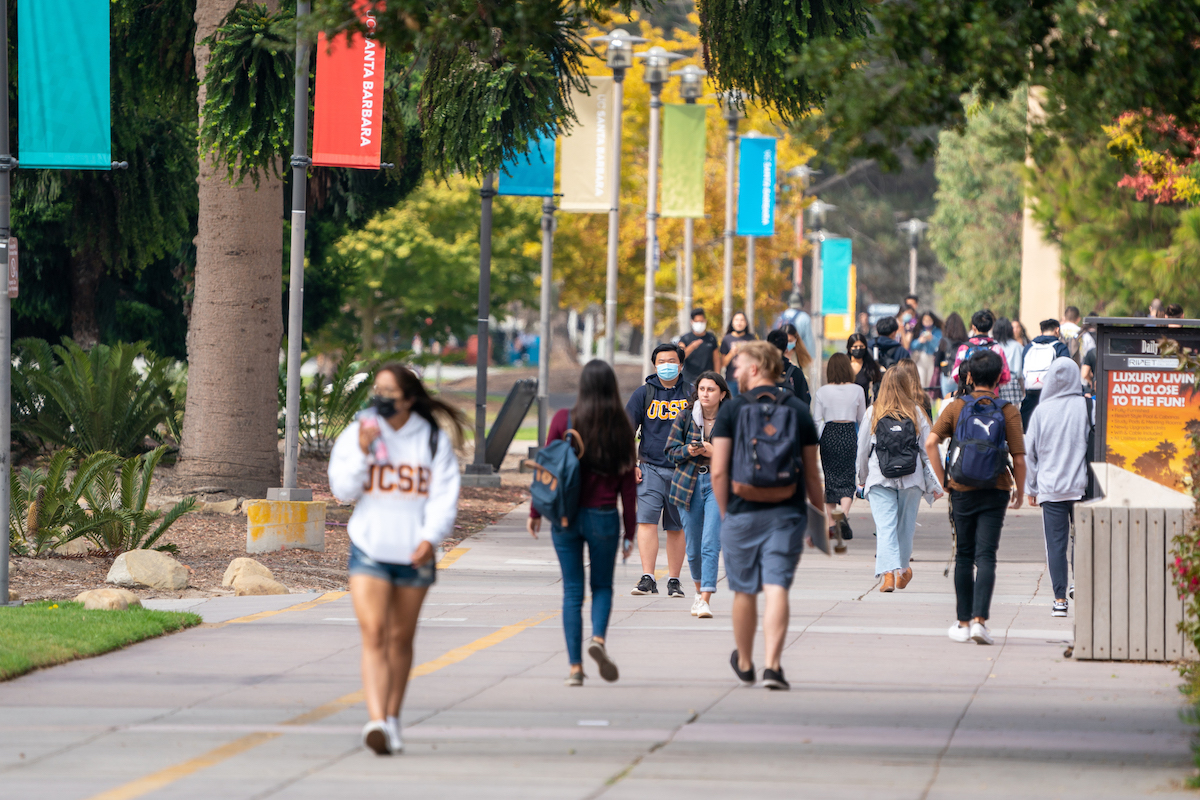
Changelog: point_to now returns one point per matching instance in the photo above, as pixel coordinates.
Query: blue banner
(836, 256)
(531, 174)
(63, 94)
(756, 187)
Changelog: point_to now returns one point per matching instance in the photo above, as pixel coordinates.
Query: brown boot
(905, 577)
(889, 582)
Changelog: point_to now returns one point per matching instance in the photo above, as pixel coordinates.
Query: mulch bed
(207, 542)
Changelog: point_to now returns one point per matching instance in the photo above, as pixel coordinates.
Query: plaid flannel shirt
(683, 481)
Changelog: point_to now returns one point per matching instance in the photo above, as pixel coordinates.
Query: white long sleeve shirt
(411, 499)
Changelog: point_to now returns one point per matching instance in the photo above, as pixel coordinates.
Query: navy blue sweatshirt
(654, 415)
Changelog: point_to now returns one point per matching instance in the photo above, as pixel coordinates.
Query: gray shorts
(654, 502)
(762, 547)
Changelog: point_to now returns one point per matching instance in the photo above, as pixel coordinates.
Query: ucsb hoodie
(653, 408)
(411, 498)
(1056, 441)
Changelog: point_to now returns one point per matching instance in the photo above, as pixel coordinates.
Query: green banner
(63, 101)
(683, 161)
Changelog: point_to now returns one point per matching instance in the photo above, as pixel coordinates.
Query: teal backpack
(557, 478)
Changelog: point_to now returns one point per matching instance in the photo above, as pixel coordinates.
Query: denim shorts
(395, 574)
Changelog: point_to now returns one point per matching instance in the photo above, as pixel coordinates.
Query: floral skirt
(839, 450)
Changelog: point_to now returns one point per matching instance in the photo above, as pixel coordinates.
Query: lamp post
(803, 174)
(657, 60)
(751, 297)
(914, 228)
(691, 86)
(731, 102)
(480, 472)
(543, 398)
(818, 210)
(619, 57)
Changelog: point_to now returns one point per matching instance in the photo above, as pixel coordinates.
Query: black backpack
(896, 446)
(766, 463)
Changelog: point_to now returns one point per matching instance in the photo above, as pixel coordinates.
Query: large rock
(256, 585)
(75, 547)
(223, 507)
(108, 599)
(148, 568)
(241, 567)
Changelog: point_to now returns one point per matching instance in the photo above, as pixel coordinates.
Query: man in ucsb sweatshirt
(652, 408)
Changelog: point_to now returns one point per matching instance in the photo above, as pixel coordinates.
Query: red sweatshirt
(598, 491)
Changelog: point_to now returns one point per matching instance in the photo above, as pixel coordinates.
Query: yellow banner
(586, 157)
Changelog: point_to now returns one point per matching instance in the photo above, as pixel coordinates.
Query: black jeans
(978, 519)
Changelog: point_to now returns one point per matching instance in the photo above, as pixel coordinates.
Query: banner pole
(750, 321)
(7, 163)
(543, 391)
(648, 339)
(689, 244)
(614, 220)
(300, 163)
(730, 181)
(480, 472)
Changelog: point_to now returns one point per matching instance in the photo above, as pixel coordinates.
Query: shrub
(120, 494)
(44, 507)
(327, 405)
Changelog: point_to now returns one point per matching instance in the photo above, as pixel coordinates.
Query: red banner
(348, 119)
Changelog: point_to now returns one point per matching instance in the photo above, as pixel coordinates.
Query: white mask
(699, 327)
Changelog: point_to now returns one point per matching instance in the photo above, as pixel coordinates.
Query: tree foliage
(1166, 153)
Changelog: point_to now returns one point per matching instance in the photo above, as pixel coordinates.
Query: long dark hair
(749, 332)
(708, 375)
(954, 330)
(1002, 331)
(437, 413)
(869, 365)
(600, 419)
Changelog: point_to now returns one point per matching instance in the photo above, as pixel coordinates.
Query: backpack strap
(569, 434)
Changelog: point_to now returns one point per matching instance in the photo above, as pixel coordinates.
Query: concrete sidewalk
(263, 701)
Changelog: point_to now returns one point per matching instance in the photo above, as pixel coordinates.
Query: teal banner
(530, 174)
(63, 101)
(836, 256)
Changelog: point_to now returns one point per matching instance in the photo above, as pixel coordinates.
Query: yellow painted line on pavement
(325, 598)
(164, 777)
(452, 556)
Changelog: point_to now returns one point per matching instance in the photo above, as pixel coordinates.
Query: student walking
(764, 466)
(1014, 390)
(699, 349)
(838, 408)
(739, 331)
(652, 409)
(984, 432)
(888, 349)
(925, 342)
(1057, 460)
(1036, 361)
(982, 323)
(894, 471)
(398, 467)
(866, 372)
(606, 462)
(954, 334)
(689, 447)
(793, 377)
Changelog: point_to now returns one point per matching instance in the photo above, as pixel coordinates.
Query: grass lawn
(48, 633)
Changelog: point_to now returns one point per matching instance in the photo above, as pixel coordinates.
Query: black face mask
(858, 352)
(384, 406)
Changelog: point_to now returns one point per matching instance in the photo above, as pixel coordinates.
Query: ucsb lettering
(404, 479)
(665, 409)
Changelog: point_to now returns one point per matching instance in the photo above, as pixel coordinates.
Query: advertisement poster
(1151, 414)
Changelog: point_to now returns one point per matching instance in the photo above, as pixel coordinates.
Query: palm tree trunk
(87, 269)
(230, 434)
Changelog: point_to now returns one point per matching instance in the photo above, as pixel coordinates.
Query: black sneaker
(847, 534)
(746, 677)
(773, 679)
(1059, 609)
(674, 588)
(646, 585)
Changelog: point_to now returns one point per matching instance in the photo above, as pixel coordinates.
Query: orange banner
(348, 118)
(1150, 416)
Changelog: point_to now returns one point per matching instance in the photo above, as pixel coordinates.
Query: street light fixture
(657, 62)
(817, 212)
(619, 57)
(804, 174)
(914, 228)
(691, 87)
(732, 103)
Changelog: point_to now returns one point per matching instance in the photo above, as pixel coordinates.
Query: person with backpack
(793, 377)
(1014, 351)
(1036, 361)
(764, 466)
(984, 432)
(1059, 448)
(888, 351)
(980, 339)
(398, 467)
(838, 408)
(866, 372)
(690, 448)
(652, 409)
(954, 334)
(893, 473)
(601, 438)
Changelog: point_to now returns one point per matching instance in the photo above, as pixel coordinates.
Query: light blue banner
(836, 257)
(63, 93)
(531, 174)
(756, 187)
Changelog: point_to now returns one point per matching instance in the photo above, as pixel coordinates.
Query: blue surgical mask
(791, 346)
(667, 372)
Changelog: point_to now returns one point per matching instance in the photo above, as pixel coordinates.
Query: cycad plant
(45, 509)
(328, 405)
(119, 495)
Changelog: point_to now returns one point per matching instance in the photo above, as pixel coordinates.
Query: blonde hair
(908, 368)
(895, 400)
(765, 355)
(803, 357)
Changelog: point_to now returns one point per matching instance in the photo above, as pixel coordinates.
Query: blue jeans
(599, 528)
(702, 527)
(895, 513)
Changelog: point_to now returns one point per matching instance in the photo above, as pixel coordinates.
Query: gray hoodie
(1056, 442)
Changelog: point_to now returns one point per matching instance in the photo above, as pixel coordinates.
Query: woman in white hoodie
(400, 468)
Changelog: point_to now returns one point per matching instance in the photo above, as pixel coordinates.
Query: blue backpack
(979, 449)
(766, 464)
(556, 479)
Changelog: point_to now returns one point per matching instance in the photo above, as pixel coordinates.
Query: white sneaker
(696, 603)
(981, 634)
(377, 737)
(394, 741)
(960, 633)
(703, 611)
